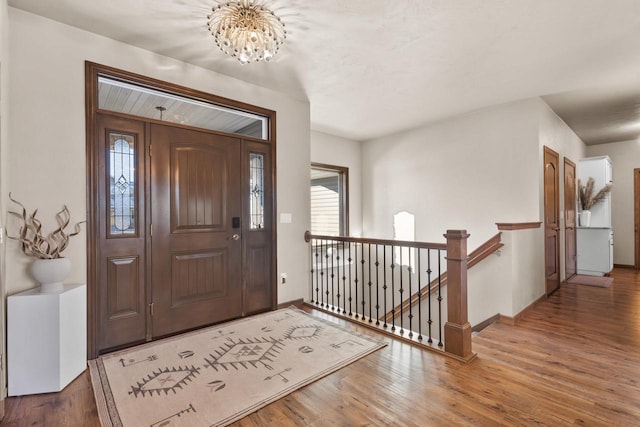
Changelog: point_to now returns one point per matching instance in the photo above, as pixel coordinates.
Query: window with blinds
(329, 212)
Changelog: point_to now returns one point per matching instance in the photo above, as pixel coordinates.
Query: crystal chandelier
(246, 30)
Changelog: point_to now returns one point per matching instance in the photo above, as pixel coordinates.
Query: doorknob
(557, 229)
(236, 237)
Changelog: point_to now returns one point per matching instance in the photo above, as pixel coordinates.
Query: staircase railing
(482, 252)
(360, 279)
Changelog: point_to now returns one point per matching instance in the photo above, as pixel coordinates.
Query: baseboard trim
(296, 302)
(627, 266)
(480, 326)
(508, 320)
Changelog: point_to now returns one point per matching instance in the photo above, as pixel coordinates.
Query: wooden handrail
(482, 252)
(421, 245)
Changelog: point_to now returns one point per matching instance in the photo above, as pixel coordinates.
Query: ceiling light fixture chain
(246, 30)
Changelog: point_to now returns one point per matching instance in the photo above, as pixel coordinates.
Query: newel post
(457, 330)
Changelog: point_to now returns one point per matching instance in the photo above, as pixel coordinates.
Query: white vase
(50, 273)
(585, 218)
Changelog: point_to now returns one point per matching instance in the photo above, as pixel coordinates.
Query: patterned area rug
(600, 281)
(218, 375)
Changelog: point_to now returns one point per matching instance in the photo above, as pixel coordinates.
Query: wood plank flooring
(574, 359)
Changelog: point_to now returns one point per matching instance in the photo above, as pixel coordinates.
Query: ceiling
(373, 67)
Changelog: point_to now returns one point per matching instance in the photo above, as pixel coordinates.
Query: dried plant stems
(586, 193)
(34, 242)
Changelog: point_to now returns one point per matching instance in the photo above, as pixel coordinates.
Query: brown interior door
(551, 220)
(570, 255)
(196, 251)
(121, 299)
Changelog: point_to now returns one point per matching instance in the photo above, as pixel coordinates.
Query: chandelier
(246, 31)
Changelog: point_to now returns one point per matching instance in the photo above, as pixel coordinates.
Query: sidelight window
(122, 184)
(256, 190)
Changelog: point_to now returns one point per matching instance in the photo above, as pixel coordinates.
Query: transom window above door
(137, 100)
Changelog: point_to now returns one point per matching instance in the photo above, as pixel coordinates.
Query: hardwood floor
(574, 359)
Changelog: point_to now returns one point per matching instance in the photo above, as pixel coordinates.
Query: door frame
(92, 71)
(636, 215)
(573, 201)
(549, 152)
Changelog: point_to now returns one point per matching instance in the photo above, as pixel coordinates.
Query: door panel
(257, 229)
(196, 262)
(551, 220)
(122, 315)
(570, 218)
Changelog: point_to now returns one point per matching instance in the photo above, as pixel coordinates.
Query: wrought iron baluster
(326, 260)
(384, 287)
(316, 254)
(355, 283)
(333, 275)
(393, 290)
(362, 262)
(401, 290)
(322, 273)
(439, 301)
(429, 271)
(370, 284)
(350, 268)
(377, 286)
(420, 293)
(410, 270)
(344, 279)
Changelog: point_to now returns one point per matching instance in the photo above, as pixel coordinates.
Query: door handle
(557, 229)
(236, 237)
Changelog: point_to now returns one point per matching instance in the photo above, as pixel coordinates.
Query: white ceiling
(373, 67)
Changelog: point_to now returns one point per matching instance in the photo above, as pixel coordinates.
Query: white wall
(555, 134)
(625, 156)
(468, 172)
(47, 131)
(4, 119)
(336, 151)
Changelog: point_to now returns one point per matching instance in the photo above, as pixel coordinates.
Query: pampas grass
(586, 193)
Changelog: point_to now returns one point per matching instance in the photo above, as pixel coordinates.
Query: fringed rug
(218, 375)
(582, 279)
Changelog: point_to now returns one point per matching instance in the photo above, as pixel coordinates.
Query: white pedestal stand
(46, 339)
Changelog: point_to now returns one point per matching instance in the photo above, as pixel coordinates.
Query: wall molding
(507, 226)
(515, 319)
(628, 266)
(296, 302)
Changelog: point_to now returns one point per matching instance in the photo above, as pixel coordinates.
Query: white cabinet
(601, 170)
(595, 251)
(46, 339)
(595, 243)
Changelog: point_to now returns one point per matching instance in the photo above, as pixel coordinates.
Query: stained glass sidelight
(122, 187)
(256, 190)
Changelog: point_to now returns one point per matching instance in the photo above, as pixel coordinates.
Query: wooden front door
(551, 220)
(196, 229)
(570, 246)
(185, 230)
